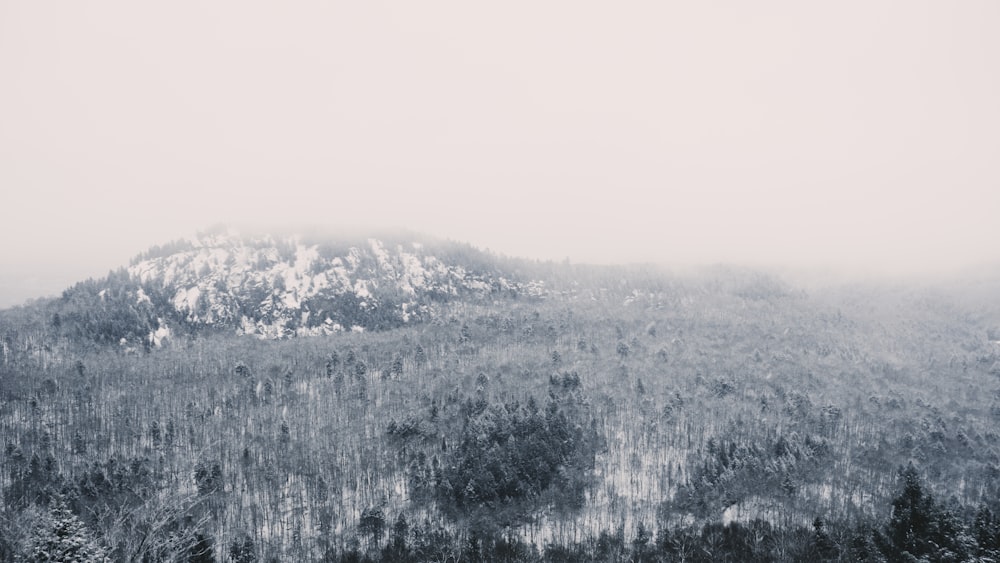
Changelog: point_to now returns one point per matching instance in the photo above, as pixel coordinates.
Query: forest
(629, 414)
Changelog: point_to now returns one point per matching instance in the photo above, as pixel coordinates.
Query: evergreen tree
(400, 531)
(372, 524)
(824, 545)
(208, 477)
(60, 536)
(623, 350)
(919, 527)
(242, 550)
(987, 531)
(641, 541)
(201, 551)
(911, 510)
(79, 443)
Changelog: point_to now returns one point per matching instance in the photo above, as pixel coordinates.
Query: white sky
(848, 134)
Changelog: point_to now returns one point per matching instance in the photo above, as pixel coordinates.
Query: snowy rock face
(278, 287)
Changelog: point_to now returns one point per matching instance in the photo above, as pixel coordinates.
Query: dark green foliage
(202, 550)
(163, 250)
(986, 528)
(381, 312)
(568, 381)
(154, 434)
(825, 548)
(920, 527)
(508, 453)
(400, 531)
(410, 427)
(732, 470)
(208, 477)
(641, 548)
(7, 550)
(912, 513)
(372, 524)
(242, 549)
(32, 482)
(107, 311)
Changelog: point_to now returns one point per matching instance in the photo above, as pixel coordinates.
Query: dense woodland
(627, 415)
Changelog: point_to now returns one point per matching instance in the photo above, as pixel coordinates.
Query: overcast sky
(850, 133)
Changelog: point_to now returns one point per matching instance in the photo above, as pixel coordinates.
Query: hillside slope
(275, 287)
(725, 409)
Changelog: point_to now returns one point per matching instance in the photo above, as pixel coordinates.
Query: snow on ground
(381, 256)
(758, 508)
(354, 259)
(361, 289)
(161, 333)
(339, 273)
(186, 299)
(414, 275)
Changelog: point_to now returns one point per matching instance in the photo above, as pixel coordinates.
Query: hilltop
(281, 286)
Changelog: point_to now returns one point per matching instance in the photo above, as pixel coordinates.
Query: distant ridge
(276, 286)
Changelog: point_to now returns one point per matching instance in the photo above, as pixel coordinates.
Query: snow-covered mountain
(275, 287)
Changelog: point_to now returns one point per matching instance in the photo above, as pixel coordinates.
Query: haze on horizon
(854, 136)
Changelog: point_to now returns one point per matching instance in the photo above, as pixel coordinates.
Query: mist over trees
(625, 414)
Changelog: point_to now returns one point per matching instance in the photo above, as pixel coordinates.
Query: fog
(854, 137)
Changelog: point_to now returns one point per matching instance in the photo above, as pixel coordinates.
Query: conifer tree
(824, 545)
(242, 550)
(201, 551)
(61, 537)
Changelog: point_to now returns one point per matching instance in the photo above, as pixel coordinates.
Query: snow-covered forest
(616, 414)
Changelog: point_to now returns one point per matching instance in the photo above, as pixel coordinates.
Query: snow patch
(361, 289)
(381, 256)
(187, 299)
(158, 336)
